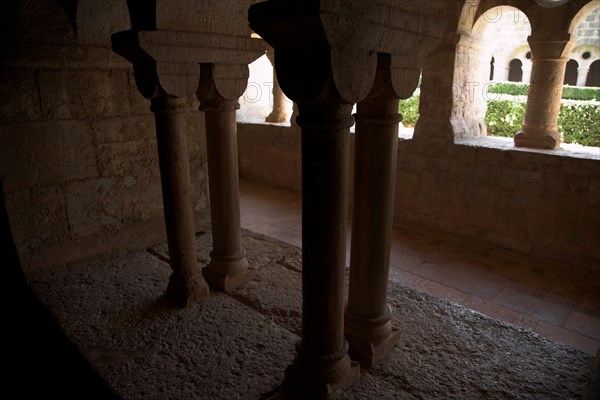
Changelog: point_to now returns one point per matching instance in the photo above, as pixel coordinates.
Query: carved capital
(555, 48)
(381, 105)
(173, 79)
(221, 85)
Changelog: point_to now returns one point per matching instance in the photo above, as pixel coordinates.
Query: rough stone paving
(237, 345)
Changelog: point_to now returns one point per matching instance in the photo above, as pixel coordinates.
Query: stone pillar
(582, 74)
(452, 106)
(368, 326)
(322, 366)
(278, 113)
(501, 68)
(228, 267)
(540, 128)
(186, 285)
(527, 66)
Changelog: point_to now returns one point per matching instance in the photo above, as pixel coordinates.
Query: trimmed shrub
(409, 109)
(579, 121)
(504, 117)
(569, 92)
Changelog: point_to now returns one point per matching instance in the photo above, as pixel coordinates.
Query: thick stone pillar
(228, 267)
(452, 106)
(368, 326)
(540, 128)
(278, 113)
(322, 366)
(186, 285)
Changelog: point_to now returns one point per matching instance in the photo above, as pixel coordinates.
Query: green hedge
(409, 109)
(569, 92)
(579, 121)
(504, 117)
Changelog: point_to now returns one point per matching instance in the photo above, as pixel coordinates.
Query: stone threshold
(237, 345)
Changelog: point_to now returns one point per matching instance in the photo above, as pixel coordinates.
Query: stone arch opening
(515, 72)
(593, 78)
(492, 61)
(263, 100)
(571, 73)
(503, 31)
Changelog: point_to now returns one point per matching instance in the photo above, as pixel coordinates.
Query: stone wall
(78, 157)
(588, 32)
(541, 202)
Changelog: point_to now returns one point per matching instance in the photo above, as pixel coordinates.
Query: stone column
(186, 285)
(228, 267)
(527, 66)
(322, 365)
(368, 326)
(501, 68)
(278, 113)
(452, 107)
(582, 74)
(540, 128)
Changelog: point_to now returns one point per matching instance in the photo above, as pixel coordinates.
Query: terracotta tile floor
(554, 300)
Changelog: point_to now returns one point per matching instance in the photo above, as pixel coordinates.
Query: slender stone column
(228, 267)
(186, 285)
(368, 325)
(540, 128)
(527, 67)
(322, 366)
(501, 68)
(278, 113)
(582, 74)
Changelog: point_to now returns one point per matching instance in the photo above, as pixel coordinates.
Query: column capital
(551, 48)
(391, 82)
(221, 85)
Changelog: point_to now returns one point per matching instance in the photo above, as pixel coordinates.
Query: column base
(276, 117)
(227, 275)
(550, 140)
(370, 340)
(187, 291)
(367, 354)
(323, 378)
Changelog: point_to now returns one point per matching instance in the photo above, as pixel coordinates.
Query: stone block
(93, 206)
(141, 196)
(84, 94)
(127, 158)
(123, 129)
(20, 86)
(38, 217)
(32, 21)
(46, 153)
(97, 20)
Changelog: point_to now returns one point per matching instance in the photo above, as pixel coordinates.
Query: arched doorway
(593, 78)
(571, 73)
(492, 61)
(515, 72)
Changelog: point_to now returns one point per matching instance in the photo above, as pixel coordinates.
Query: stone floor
(554, 300)
(237, 345)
